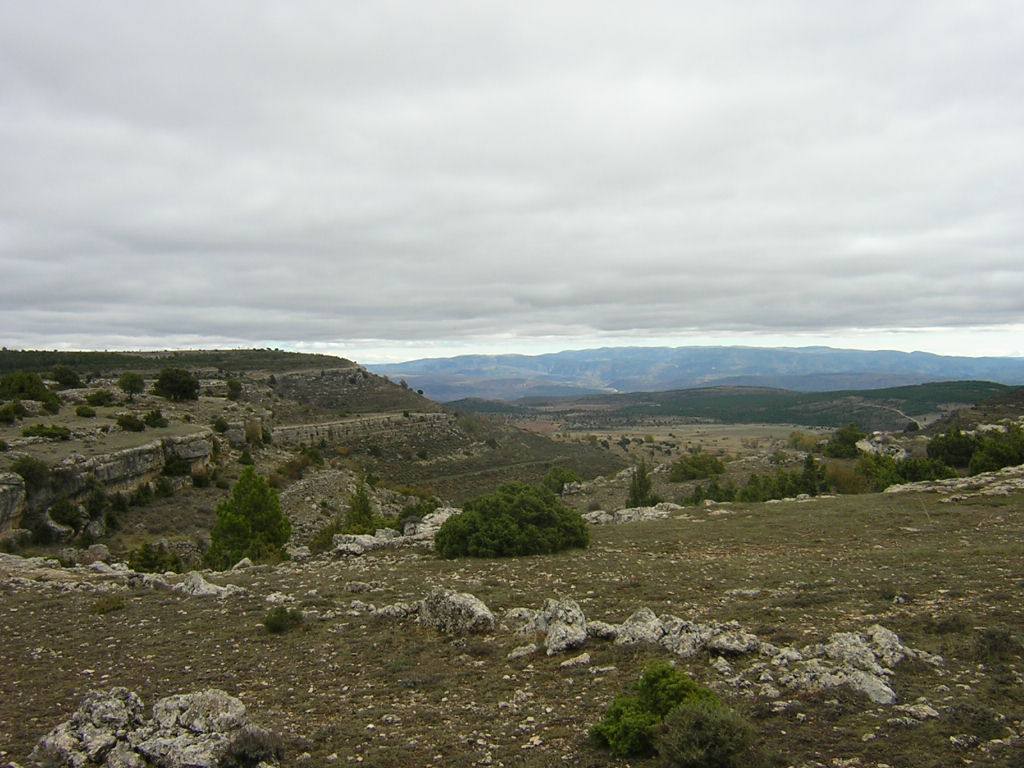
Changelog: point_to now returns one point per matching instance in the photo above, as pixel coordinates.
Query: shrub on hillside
(65, 377)
(21, 385)
(281, 619)
(882, 471)
(49, 431)
(704, 733)
(803, 441)
(154, 419)
(85, 412)
(12, 411)
(843, 442)
(630, 725)
(234, 389)
(220, 425)
(557, 478)
(100, 398)
(516, 519)
(997, 450)
(359, 517)
(696, 466)
(155, 558)
(249, 524)
(781, 485)
(130, 423)
(953, 448)
(34, 472)
(176, 384)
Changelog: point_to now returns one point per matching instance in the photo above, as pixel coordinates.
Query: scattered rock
(195, 585)
(455, 613)
(582, 660)
(522, 650)
(564, 624)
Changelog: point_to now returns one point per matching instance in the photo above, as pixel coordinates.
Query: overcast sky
(390, 180)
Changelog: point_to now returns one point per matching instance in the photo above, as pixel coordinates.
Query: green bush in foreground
(249, 524)
(630, 725)
(516, 519)
(685, 724)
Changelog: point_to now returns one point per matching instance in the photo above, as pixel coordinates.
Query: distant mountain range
(650, 369)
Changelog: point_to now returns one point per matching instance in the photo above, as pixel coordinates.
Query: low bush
(85, 412)
(12, 411)
(246, 459)
(253, 747)
(163, 488)
(557, 478)
(66, 513)
(220, 425)
(35, 473)
(21, 385)
(65, 377)
(882, 471)
(697, 466)
(997, 450)
(516, 519)
(281, 619)
(234, 389)
(4, 447)
(175, 466)
(155, 558)
(804, 441)
(130, 423)
(996, 643)
(953, 448)
(704, 733)
(631, 723)
(49, 431)
(843, 442)
(154, 419)
(100, 398)
(108, 604)
(781, 485)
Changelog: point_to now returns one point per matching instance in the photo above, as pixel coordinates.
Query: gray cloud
(407, 172)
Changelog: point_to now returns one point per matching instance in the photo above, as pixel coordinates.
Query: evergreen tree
(131, 384)
(359, 518)
(249, 524)
(641, 491)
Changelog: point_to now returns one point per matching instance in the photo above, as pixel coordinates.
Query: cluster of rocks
(419, 533)
(631, 514)
(862, 661)
(101, 576)
(206, 729)
(1002, 482)
(882, 444)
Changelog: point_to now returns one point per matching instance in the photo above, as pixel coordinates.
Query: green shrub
(843, 442)
(175, 466)
(953, 448)
(101, 398)
(108, 604)
(34, 472)
(220, 425)
(234, 389)
(997, 450)
(49, 431)
(641, 490)
(67, 513)
(557, 478)
(697, 466)
(516, 519)
(130, 423)
(21, 385)
(163, 488)
(4, 447)
(632, 720)
(996, 644)
(85, 412)
(704, 733)
(246, 459)
(65, 377)
(359, 517)
(281, 619)
(252, 746)
(803, 441)
(131, 384)
(249, 524)
(10, 412)
(155, 558)
(176, 384)
(781, 485)
(882, 471)
(154, 419)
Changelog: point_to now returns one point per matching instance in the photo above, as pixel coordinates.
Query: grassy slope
(826, 566)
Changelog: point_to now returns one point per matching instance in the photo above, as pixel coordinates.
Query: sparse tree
(177, 384)
(234, 389)
(131, 384)
(249, 524)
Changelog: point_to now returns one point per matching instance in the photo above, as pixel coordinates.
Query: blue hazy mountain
(650, 369)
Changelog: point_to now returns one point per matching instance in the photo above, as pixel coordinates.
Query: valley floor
(352, 688)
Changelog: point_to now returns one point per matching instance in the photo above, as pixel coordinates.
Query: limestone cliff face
(121, 470)
(12, 500)
(340, 432)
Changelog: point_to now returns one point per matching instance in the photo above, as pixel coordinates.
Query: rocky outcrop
(354, 429)
(455, 613)
(194, 730)
(631, 514)
(1002, 482)
(12, 501)
(416, 534)
(195, 585)
(564, 625)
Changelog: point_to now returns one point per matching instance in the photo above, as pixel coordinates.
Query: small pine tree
(249, 524)
(641, 491)
(359, 517)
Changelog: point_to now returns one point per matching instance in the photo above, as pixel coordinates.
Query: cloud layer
(413, 173)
